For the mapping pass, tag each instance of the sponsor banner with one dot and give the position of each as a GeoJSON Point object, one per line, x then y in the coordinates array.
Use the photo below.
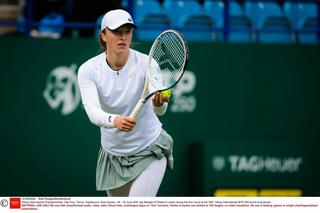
{"type": "Point", "coordinates": [244, 93]}
{"type": "Point", "coordinates": [62, 91]}
{"type": "Point", "coordinates": [183, 99]}
{"type": "Point", "coordinates": [256, 165]}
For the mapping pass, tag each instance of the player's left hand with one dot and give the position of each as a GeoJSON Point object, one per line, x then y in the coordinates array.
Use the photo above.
{"type": "Point", "coordinates": [158, 99]}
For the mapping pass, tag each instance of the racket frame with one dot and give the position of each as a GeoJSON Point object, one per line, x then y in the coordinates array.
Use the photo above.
{"type": "Point", "coordinates": [137, 109]}
{"type": "Point", "coordinates": [186, 59]}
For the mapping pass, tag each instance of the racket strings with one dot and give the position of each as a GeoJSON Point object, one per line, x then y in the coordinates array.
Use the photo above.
{"type": "Point", "coordinates": [169, 54]}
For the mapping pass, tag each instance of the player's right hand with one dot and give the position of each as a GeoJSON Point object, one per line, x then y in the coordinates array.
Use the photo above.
{"type": "Point", "coordinates": [124, 123]}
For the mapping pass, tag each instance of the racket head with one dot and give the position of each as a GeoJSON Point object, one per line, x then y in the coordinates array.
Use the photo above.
{"type": "Point", "coordinates": [168, 58]}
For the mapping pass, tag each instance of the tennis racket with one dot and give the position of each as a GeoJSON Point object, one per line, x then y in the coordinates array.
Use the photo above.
{"type": "Point", "coordinates": [168, 58]}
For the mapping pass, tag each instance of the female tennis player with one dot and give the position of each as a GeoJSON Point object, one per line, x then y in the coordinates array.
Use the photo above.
{"type": "Point", "coordinates": [134, 154]}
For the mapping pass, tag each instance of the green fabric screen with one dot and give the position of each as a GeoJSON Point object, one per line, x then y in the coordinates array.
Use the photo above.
{"type": "Point", "coordinates": [236, 99]}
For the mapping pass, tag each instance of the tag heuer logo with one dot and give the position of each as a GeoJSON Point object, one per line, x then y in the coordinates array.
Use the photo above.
{"type": "Point", "coordinates": [218, 163]}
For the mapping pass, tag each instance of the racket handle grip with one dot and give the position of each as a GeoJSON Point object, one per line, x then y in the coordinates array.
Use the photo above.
{"type": "Point", "coordinates": [137, 109]}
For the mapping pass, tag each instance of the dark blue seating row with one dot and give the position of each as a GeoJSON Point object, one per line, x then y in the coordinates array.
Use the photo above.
{"type": "Point", "coordinates": [261, 21]}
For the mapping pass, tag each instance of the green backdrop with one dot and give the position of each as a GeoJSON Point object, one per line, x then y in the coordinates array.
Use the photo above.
{"type": "Point", "coordinates": [247, 100]}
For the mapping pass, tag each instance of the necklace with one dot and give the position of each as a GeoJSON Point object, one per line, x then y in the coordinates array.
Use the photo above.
{"type": "Point", "coordinates": [115, 68]}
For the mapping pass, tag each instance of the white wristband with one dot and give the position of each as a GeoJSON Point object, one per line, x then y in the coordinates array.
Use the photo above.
{"type": "Point", "coordinates": [109, 121]}
{"type": "Point", "coordinates": [161, 110]}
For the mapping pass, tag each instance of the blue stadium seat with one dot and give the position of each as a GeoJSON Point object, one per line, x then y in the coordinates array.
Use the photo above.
{"type": "Point", "coordinates": [308, 33]}
{"type": "Point", "coordinates": [150, 18]}
{"type": "Point", "coordinates": [235, 9]}
{"type": "Point", "coordinates": [298, 13]}
{"type": "Point", "coordinates": [215, 10]}
{"type": "Point", "coordinates": [259, 11]}
{"type": "Point", "coordinates": [146, 9]}
{"type": "Point", "coordinates": [304, 19]}
{"type": "Point", "coordinates": [270, 22]}
{"type": "Point", "coordinates": [190, 18]}
{"type": "Point", "coordinates": [240, 24]}
{"type": "Point", "coordinates": [48, 23]}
